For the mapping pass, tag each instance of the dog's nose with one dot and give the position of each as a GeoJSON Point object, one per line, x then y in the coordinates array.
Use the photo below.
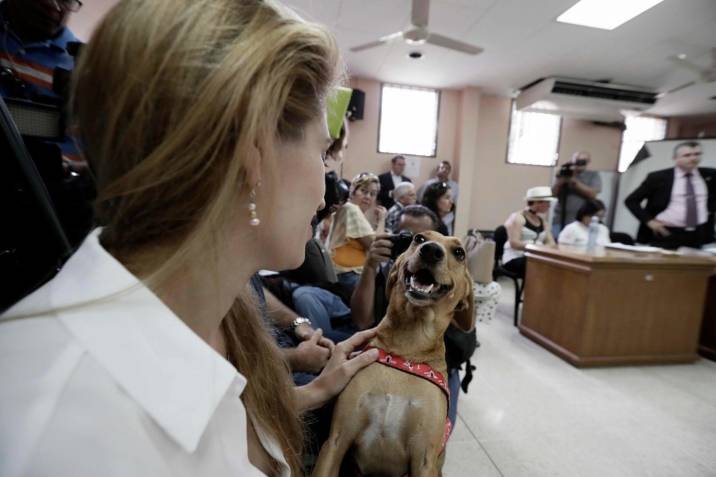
{"type": "Point", "coordinates": [431, 252]}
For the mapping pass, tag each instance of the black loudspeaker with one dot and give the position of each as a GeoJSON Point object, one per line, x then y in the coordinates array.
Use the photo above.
{"type": "Point", "coordinates": [356, 104]}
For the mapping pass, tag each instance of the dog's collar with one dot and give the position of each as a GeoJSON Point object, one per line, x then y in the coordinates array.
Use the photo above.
{"type": "Point", "coordinates": [421, 370]}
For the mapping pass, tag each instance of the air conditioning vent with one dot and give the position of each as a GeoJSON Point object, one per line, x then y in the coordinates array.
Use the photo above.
{"type": "Point", "coordinates": [584, 99]}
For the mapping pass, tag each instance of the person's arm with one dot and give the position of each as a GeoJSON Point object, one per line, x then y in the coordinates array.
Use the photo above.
{"type": "Point", "coordinates": [363, 298]}
{"type": "Point", "coordinates": [309, 356]}
{"type": "Point", "coordinates": [514, 231]}
{"type": "Point", "coordinates": [345, 362]}
{"type": "Point", "coordinates": [633, 203]}
{"type": "Point", "coordinates": [589, 193]}
{"type": "Point", "coordinates": [549, 238]}
{"type": "Point", "coordinates": [559, 183]}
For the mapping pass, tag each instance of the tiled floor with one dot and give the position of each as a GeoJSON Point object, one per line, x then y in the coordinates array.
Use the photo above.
{"type": "Point", "coordinates": [528, 413]}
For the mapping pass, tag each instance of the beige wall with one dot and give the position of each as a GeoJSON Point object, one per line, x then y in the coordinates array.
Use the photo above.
{"type": "Point", "coordinates": [689, 127]}
{"type": "Point", "coordinates": [473, 131]}
{"type": "Point", "coordinates": [601, 142]}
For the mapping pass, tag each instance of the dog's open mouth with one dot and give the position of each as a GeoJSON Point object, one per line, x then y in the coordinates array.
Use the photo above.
{"type": "Point", "coordinates": [422, 285]}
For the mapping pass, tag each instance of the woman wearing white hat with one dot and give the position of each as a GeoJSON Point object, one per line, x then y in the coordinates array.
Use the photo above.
{"type": "Point", "coordinates": [527, 226]}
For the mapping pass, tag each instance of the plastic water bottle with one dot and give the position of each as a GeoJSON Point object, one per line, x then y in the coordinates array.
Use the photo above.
{"type": "Point", "coordinates": [593, 233]}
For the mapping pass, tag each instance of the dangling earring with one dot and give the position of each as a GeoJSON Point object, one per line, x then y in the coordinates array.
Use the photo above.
{"type": "Point", "coordinates": [253, 216]}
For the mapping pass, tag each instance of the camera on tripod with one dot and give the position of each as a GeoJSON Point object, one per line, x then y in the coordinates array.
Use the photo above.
{"type": "Point", "coordinates": [567, 171]}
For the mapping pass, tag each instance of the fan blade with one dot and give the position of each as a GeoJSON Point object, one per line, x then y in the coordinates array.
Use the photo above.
{"type": "Point", "coordinates": [382, 41]}
{"type": "Point", "coordinates": [445, 42]}
{"type": "Point", "coordinates": [420, 13]}
{"type": "Point", "coordinates": [679, 88]}
{"type": "Point", "coordinates": [683, 62]}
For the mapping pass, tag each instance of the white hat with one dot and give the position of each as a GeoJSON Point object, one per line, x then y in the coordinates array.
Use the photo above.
{"type": "Point", "coordinates": [539, 193]}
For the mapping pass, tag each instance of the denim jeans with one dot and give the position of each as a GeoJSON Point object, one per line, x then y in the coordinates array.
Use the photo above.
{"type": "Point", "coordinates": [349, 280]}
{"type": "Point", "coordinates": [325, 310]}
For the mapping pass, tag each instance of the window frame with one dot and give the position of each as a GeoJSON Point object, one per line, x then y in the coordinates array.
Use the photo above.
{"type": "Point", "coordinates": [437, 119]}
{"type": "Point", "coordinates": [513, 109]}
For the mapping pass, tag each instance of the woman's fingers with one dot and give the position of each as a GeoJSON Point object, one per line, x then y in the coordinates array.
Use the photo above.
{"type": "Point", "coordinates": [357, 340]}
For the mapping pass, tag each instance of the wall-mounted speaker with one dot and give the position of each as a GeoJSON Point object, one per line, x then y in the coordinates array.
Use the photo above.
{"type": "Point", "coordinates": [356, 104]}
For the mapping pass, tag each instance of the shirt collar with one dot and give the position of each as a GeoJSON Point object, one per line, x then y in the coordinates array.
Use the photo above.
{"type": "Point", "coordinates": [680, 173]}
{"type": "Point", "coordinates": [176, 377]}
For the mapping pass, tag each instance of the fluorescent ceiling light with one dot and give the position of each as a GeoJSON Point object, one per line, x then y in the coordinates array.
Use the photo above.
{"type": "Point", "coordinates": [605, 14]}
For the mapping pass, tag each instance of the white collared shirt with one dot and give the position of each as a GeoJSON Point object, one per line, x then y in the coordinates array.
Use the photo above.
{"type": "Point", "coordinates": [396, 179]}
{"type": "Point", "coordinates": [675, 214]}
{"type": "Point", "coordinates": [577, 234]}
{"type": "Point", "coordinates": [104, 379]}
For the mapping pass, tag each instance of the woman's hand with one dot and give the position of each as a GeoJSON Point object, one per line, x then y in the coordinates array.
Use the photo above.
{"type": "Point", "coordinates": [344, 363]}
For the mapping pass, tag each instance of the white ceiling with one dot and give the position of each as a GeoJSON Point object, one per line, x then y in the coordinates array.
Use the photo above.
{"type": "Point", "coordinates": [523, 42]}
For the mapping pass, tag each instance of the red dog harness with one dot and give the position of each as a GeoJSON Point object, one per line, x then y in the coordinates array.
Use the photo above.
{"type": "Point", "coordinates": [421, 370]}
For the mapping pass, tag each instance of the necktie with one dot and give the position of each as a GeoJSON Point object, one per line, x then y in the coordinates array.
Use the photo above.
{"type": "Point", "coordinates": [691, 214]}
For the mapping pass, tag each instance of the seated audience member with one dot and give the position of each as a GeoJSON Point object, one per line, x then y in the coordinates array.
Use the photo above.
{"type": "Point", "coordinates": [438, 198]}
{"type": "Point", "coordinates": [404, 195]}
{"type": "Point", "coordinates": [390, 180]}
{"type": "Point", "coordinates": [369, 302]}
{"type": "Point", "coordinates": [442, 175]}
{"type": "Point", "coordinates": [577, 233]}
{"type": "Point", "coordinates": [680, 202]}
{"type": "Point", "coordinates": [351, 232]}
{"type": "Point", "coordinates": [527, 226]}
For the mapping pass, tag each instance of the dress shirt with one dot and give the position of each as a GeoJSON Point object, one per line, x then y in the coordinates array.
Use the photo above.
{"type": "Point", "coordinates": [577, 234]}
{"type": "Point", "coordinates": [675, 214]}
{"type": "Point", "coordinates": [396, 179]}
{"type": "Point", "coordinates": [99, 377]}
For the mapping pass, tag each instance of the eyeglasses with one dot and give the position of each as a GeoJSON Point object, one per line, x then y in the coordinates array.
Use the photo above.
{"type": "Point", "coordinates": [70, 5]}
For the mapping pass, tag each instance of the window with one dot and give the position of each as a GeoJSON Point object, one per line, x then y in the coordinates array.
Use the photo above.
{"type": "Point", "coordinates": [408, 121]}
{"type": "Point", "coordinates": [534, 138]}
{"type": "Point", "coordinates": [639, 130]}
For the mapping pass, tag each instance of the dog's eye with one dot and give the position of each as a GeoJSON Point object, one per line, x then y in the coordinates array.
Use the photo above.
{"type": "Point", "coordinates": [419, 238]}
{"type": "Point", "coordinates": [459, 254]}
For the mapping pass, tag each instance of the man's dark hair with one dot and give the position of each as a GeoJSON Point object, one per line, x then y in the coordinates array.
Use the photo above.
{"type": "Point", "coordinates": [447, 163]}
{"type": "Point", "coordinates": [419, 211]}
{"type": "Point", "coordinates": [685, 144]}
{"type": "Point", "coordinates": [395, 158]}
{"type": "Point", "coordinates": [590, 208]}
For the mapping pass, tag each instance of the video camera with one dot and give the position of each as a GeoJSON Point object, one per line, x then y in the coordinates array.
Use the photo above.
{"type": "Point", "coordinates": [401, 242]}
{"type": "Point", "coordinates": [567, 171]}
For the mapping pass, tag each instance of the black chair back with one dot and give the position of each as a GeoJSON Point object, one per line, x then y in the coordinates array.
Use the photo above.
{"type": "Point", "coordinates": [500, 238]}
{"type": "Point", "coordinates": [621, 237]}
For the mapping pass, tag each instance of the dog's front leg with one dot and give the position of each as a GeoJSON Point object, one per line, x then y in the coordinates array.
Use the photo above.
{"type": "Point", "coordinates": [333, 451]}
{"type": "Point", "coordinates": [425, 462]}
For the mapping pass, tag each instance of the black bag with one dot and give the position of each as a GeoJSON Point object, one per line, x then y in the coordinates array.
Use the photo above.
{"type": "Point", "coordinates": [459, 348]}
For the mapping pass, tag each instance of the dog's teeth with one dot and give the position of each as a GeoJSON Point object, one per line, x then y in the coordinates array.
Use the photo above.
{"type": "Point", "coordinates": [429, 288]}
{"type": "Point", "coordinates": [412, 281]}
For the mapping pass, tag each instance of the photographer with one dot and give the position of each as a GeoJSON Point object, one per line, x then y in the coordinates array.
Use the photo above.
{"type": "Point", "coordinates": [574, 185]}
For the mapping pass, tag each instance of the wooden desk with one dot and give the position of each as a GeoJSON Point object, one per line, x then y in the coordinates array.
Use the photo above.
{"type": "Point", "coordinates": [613, 307]}
{"type": "Point", "coordinates": [707, 345]}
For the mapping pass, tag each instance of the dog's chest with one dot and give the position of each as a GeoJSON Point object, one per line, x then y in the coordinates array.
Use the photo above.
{"type": "Point", "coordinates": [387, 416]}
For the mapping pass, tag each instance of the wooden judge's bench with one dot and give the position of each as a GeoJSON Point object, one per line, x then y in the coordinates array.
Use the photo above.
{"type": "Point", "coordinates": [615, 307]}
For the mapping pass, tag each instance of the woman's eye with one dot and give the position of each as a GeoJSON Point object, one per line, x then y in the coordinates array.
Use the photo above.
{"type": "Point", "coordinates": [419, 239]}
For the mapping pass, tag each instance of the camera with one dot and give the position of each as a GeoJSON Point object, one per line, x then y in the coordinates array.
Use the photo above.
{"type": "Point", "coordinates": [567, 170]}
{"type": "Point", "coordinates": [337, 192]}
{"type": "Point", "coordinates": [400, 242]}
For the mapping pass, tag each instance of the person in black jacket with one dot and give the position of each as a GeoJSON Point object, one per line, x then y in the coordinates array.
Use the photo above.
{"type": "Point", "coordinates": [390, 179]}
{"type": "Point", "coordinates": [680, 202]}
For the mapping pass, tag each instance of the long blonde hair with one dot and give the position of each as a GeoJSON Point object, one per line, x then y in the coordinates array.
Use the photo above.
{"type": "Point", "coordinates": [176, 101]}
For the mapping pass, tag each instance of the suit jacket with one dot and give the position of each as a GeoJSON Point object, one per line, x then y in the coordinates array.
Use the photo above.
{"type": "Point", "coordinates": [656, 189]}
{"type": "Point", "coordinates": [386, 185]}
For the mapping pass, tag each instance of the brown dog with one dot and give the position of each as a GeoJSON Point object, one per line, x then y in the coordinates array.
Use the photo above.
{"type": "Point", "coordinates": [393, 421]}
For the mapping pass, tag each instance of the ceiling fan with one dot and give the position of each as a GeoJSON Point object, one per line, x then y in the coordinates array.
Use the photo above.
{"type": "Point", "coordinates": [706, 74]}
{"type": "Point", "coordinates": [419, 34]}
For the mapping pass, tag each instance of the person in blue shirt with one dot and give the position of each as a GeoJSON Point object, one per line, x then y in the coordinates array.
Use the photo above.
{"type": "Point", "coordinates": [34, 41]}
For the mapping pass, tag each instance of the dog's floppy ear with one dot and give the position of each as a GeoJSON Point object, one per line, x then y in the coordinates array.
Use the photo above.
{"type": "Point", "coordinates": [393, 276]}
{"type": "Point", "coordinates": [464, 316]}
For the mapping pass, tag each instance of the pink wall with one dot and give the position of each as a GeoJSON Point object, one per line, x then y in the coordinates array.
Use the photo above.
{"type": "Point", "coordinates": [83, 22]}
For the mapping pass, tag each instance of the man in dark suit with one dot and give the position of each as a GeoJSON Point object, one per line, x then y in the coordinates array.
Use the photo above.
{"type": "Point", "coordinates": [390, 179]}
{"type": "Point", "coordinates": [680, 202]}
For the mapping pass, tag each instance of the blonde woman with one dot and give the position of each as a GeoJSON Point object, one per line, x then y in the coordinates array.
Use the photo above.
{"type": "Point", "coordinates": [198, 117]}
{"type": "Point", "coordinates": [354, 227]}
